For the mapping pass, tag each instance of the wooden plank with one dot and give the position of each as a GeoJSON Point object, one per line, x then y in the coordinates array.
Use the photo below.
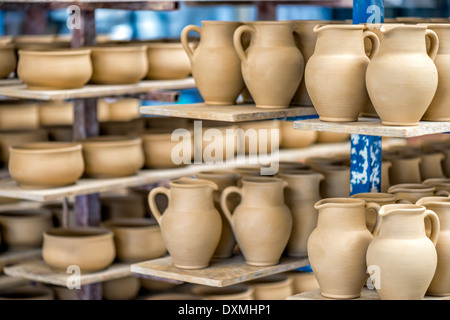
{"type": "Point", "coordinates": [230, 113]}
{"type": "Point", "coordinates": [10, 82]}
{"type": "Point", "coordinates": [13, 257]}
{"type": "Point", "coordinates": [366, 294]}
{"type": "Point", "coordinates": [38, 270]}
{"type": "Point", "coordinates": [373, 127]}
{"type": "Point", "coordinates": [96, 90]}
{"type": "Point", "coordinates": [220, 273]}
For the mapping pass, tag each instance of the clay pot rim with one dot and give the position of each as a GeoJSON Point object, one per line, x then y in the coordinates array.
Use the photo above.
{"type": "Point", "coordinates": [55, 52]}
{"type": "Point", "coordinates": [32, 291]}
{"type": "Point", "coordinates": [436, 25]}
{"type": "Point", "coordinates": [131, 223]}
{"type": "Point", "coordinates": [114, 48]}
{"type": "Point", "coordinates": [318, 28]}
{"type": "Point", "coordinates": [78, 234]}
{"type": "Point", "coordinates": [374, 196]}
{"type": "Point", "coordinates": [340, 202]}
{"type": "Point", "coordinates": [271, 22]}
{"type": "Point", "coordinates": [46, 147]}
{"type": "Point", "coordinates": [436, 181]}
{"type": "Point", "coordinates": [111, 141]}
{"type": "Point", "coordinates": [385, 210]}
{"type": "Point", "coordinates": [169, 45]}
{"type": "Point", "coordinates": [221, 22]}
{"type": "Point", "coordinates": [411, 188]}
{"type": "Point", "coordinates": [389, 27]}
{"type": "Point", "coordinates": [20, 214]}
{"type": "Point", "coordinates": [434, 201]}
{"type": "Point", "coordinates": [190, 183]}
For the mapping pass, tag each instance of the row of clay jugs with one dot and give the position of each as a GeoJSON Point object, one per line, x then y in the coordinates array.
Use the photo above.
{"type": "Point", "coordinates": [272, 65]}
{"type": "Point", "coordinates": [335, 74]}
{"type": "Point", "coordinates": [337, 247]}
{"type": "Point", "coordinates": [402, 258]}
{"type": "Point", "coordinates": [261, 223]}
{"type": "Point", "coordinates": [216, 68]}
{"type": "Point", "coordinates": [191, 226]}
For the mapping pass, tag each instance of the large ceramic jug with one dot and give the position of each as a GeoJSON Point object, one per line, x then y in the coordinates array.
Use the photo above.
{"type": "Point", "coordinates": [301, 193]}
{"type": "Point", "coordinates": [402, 78]}
{"type": "Point", "coordinates": [216, 68]}
{"type": "Point", "coordinates": [440, 285]}
{"type": "Point", "coordinates": [402, 257]}
{"type": "Point", "coordinates": [438, 109]}
{"type": "Point", "coordinates": [262, 223]}
{"type": "Point", "coordinates": [272, 66]}
{"type": "Point", "coordinates": [335, 74]}
{"type": "Point", "coordinates": [191, 226]}
{"type": "Point", "coordinates": [337, 247]}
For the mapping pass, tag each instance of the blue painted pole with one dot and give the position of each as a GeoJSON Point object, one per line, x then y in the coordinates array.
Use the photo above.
{"type": "Point", "coordinates": [366, 158]}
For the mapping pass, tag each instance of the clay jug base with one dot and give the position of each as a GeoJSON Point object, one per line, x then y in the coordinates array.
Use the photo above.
{"type": "Point", "coordinates": [402, 124]}
{"type": "Point", "coordinates": [179, 266]}
{"type": "Point", "coordinates": [340, 296]}
{"type": "Point", "coordinates": [261, 264]}
{"type": "Point", "coordinates": [219, 103]}
{"type": "Point", "coordinates": [259, 106]}
{"type": "Point", "coordinates": [328, 119]}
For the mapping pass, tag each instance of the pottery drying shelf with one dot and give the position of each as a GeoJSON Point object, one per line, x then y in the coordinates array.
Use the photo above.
{"type": "Point", "coordinates": [220, 273]}
{"type": "Point", "coordinates": [96, 90]}
{"type": "Point", "coordinates": [373, 127]}
{"type": "Point", "coordinates": [366, 294]}
{"type": "Point", "coordinates": [228, 113]}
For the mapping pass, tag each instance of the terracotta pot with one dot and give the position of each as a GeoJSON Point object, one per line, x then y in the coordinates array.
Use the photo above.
{"type": "Point", "coordinates": [274, 287]}
{"type": "Point", "coordinates": [123, 109]}
{"type": "Point", "coordinates": [8, 60]}
{"type": "Point", "coordinates": [332, 137]}
{"type": "Point", "coordinates": [337, 247]}
{"type": "Point", "coordinates": [161, 152]}
{"type": "Point", "coordinates": [43, 165]}
{"type": "Point", "coordinates": [18, 115]}
{"type": "Point", "coordinates": [59, 133]}
{"type": "Point", "coordinates": [112, 156]}
{"type": "Point", "coordinates": [303, 281]}
{"type": "Point", "coordinates": [234, 292]}
{"type": "Point", "coordinates": [122, 206]}
{"type": "Point", "coordinates": [56, 113]}
{"type": "Point", "coordinates": [26, 292]}
{"type": "Point", "coordinates": [337, 181]}
{"type": "Point", "coordinates": [121, 289]}
{"type": "Point", "coordinates": [301, 193]}
{"type": "Point", "coordinates": [23, 229]}
{"type": "Point", "coordinates": [262, 204]}
{"type": "Point", "coordinates": [440, 285]}
{"type": "Point", "coordinates": [10, 138]}
{"type": "Point", "coordinates": [168, 60]}
{"type": "Point", "coordinates": [437, 110]}
{"type": "Point", "coordinates": [431, 165]}
{"type": "Point", "coordinates": [191, 226]}
{"type": "Point", "coordinates": [122, 128]}
{"type": "Point", "coordinates": [257, 134]}
{"type": "Point", "coordinates": [328, 72]}
{"type": "Point", "coordinates": [406, 259]}
{"type": "Point", "coordinates": [136, 239]}
{"type": "Point", "coordinates": [92, 249]}
{"type": "Point", "coordinates": [305, 39]}
{"type": "Point", "coordinates": [223, 179]}
{"type": "Point", "coordinates": [54, 69]}
{"type": "Point", "coordinates": [118, 64]}
{"type": "Point", "coordinates": [272, 43]}
{"type": "Point", "coordinates": [293, 138]}
{"type": "Point", "coordinates": [416, 69]}
{"type": "Point", "coordinates": [216, 67]}
{"type": "Point", "coordinates": [404, 169]}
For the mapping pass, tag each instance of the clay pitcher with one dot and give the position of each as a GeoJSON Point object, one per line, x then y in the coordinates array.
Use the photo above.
{"type": "Point", "coordinates": [262, 223]}
{"type": "Point", "coordinates": [223, 179]}
{"type": "Point", "coordinates": [272, 66]}
{"type": "Point", "coordinates": [403, 74]}
{"type": "Point", "coordinates": [337, 247]}
{"type": "Point", "coordinates": [191, 226]}
{"type": "Point", "coordinates": [441, 186]}
{"type": "Point", "coordinates": [216, 68]}
{"type": "Point", "coordinates": [440, 285]}
{"type": "Point", "coordinates": [438, 109]}
{"type": "Point", "coordinates": [404, 169]}
{"type": "Point", "coordinates": [337, 181]}
{"type": "Point", "coordinates": [335, 74]}
{"type": "Point", "coordinates": [403, 257]}
{"type": "Point", "coordinates": [301, 193]}
{"type": "Point", "coordinates": [431, 165]}
{"type": "Point", "coordinates": [411, 192]}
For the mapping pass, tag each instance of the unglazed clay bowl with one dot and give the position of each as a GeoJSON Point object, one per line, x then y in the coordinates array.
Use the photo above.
{"type": "Point", "coordinates": [118, 64]}
{"type": "Point", "coordinates": [56, 113]}
{"type": "Point", "coordinates": [168, 60]}
{"type": "Point", "coordinates": [18, 115]}
{"type": "Point", "coordinates": [234, 292]}
{"type": "Point", "coordinates": [123, 109]}
{"type": "Point", "coordinates": [42, 165]}
{"type": "Point", "coordinates": [136, 239]}
{"type": "Point", "coordinates": [54, 69]}
{"type": "Point", "coordinates": [27, 292]}
{"type": "Point", "coordinates": [90, 248]}
{"type": "Point", "coordinates": [8, 60]}
{"type": "Point", "coordinates": [23, 229]}
{"type": "Point", "coordinates": [112, 156]}
{"type": "Point", "coordinates": [10, 138]}
{"type": "Point", "coordinates": [121, 289]}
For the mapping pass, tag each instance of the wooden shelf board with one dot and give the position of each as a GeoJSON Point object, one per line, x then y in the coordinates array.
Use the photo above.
{"type": "Point", "coordinates": [229, 113]}
{"type": "Point", "coordinates": [38, 270]}
{"type": "Point", "coordinates": [366, 294]}
{"type": "Point", "coordinates": [373, 127]}
{"type": "Point", "coordinates": [10, 82]}
{"type": "Point", "coordinates": [220, 273]}
{"type": "Point", "coordinates": [94, 90]}
{"type": "Point", "coordinates": [13, 257]}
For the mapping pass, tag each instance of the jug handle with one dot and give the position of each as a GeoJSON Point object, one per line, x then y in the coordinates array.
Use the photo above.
{"type": "Point", "coordinates": [375, 43]}
{"type": "Point", "coordinates": [238, 42]}
{"type": "Point", "coordinates": [434, 43]}
{"type": "Point", "coordinates": [185, 42]}
{"type": "Point", "coordinates": [435, 225]}
{"type": "Point", "coordinates": [223, 201]}
{"type": "Point", "coordinates": [152, 203]}
{"type": "Point", "coordinates": [376, 207]}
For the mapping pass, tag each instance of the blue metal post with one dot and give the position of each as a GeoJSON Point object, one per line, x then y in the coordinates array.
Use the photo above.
{"type": "Point", "coordinates": [366, 150]}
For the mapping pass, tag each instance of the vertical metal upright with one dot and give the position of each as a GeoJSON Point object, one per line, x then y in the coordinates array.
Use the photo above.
{"type": "Point", "coordinates": [366, 150]}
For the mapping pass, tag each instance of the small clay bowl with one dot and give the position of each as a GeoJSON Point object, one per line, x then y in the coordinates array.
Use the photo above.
{"type": "Point", "coordinates": [91, 249]}
{"type": "Point", "coordinates": [43, 165]}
